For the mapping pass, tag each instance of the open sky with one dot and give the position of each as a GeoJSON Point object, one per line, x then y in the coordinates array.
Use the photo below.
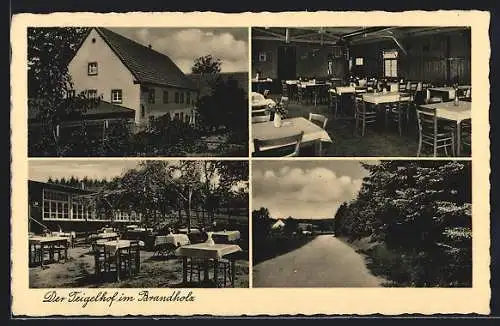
{"type": "Point", "coordinates": [57, 169]}
{"type": "Point", "coordinates": [305, 189]}
{"type": "Point", "coordinates": [183, 45]}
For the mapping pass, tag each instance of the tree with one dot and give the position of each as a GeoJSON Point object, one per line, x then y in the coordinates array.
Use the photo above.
{"type": "Point", "coordinates": [206, 65]}
{"type": "Point", "coordinates": [50, 89]}
{"type": "Point", "coordinates": [420, 210]}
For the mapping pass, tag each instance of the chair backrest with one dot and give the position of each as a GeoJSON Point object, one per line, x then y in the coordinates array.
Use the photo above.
{"type": "Point", "coordinates": [284, 88]}
{"type": "Point", "coordinates": [318, 118]}
{"type": "Point", "coordinates": [284, 102]}
{"type": "Point", "coordinates": [283, 141]}
{"type": "Point", "coordinates": [413, 87]}
{"type": "Point", "coordinates": [402, 87]}
{"type": "Point", "coordinates": [427, 120]}
{"type": "Point", "coordinates": [261, 118]}
{"type": "Point", "coordinates": [359, 104]}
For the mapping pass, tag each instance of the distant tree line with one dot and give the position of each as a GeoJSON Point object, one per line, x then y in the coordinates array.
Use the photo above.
{"type": "Point", "coordinates": [418, 216]}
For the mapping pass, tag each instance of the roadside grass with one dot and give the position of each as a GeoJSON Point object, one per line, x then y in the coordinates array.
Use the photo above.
{"type": "Point", "coordinates": [273, 245]}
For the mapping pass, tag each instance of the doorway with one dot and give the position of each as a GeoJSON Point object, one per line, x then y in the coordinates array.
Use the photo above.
{"type": "Point", "coordinates": [287, 63]}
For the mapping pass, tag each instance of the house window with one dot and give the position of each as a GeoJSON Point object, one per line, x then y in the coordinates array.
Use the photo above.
{"type": "Point", "coordinates": [262, 56]}
{"type": "Point", "coordinates": [92, 68]}
{"type": "Point", "coordinates": [176, 116]}
{"type": "Point", "coordinates": [151, 95]}
{"type": "Point", "coordinates": [55, 205]}
{"type": "Point", "coordinates": [188, 98]}
{"type": "Point", "coordinates": [116, 96]}
{"type": "Point", "coordinates": [390, 63]}
{"type": "Point", "coordinates": [165, 97]}
{"type": "Point", "coordinates": [177, 97]}
{"type": "Point", "coordinates": [359, 61]}
{"type": "Point", "coordinates": [143, 111]}
{"type": "Point", "coordinates": [92, 93]}
{"type": "Point", "coordinates": [182, 97]}
{"type": "Point", "coordinates": [182, 116]}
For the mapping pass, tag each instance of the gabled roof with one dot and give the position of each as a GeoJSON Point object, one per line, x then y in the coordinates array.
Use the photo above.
{"type": "Point", "coordinates": [146, 64]}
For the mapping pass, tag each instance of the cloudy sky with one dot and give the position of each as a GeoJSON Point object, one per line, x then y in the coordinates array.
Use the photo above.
{"type": "Point", "coordinates": [57, 169]}
{"type": "Point", "coordinates": [304, 189]}
{"type": "Point", "coordinates": [183, 45]}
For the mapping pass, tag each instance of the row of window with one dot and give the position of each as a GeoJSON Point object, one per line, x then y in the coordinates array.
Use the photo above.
{"type": "Point", "coordinates": [56, 206]}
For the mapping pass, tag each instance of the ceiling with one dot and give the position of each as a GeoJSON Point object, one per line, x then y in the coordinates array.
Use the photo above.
{"type": "Point", "coordinates": [345, 35]}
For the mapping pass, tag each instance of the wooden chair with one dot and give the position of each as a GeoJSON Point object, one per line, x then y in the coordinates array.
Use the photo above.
{"type": "Point", "coordinates": [402, 87]}
{"type": "Point", "coordinates": [363, 116]}
{"type": "Point", "coordinates": [430, 133]}
{"type": "Point", "coordinates": [318, 119]}
{"type": "Point", "coordinates": [284, 89]}
{"type": "Point", "coordinates": [398, 111]}
{"type": "Point", "coordinates": [466, 133]}
{"type": "Point", "coordinates": [334, 102]}
{"type": "Point", "coordinates": [195, 267]}
{"type": "Point", "coordinates": [288, 146]}
{"type": "Point", "coordinates": [261, 118]}
{"type": "Point", "coordinates": [283, 103]}
{"type": "Point", "coordinates": [99, 260]}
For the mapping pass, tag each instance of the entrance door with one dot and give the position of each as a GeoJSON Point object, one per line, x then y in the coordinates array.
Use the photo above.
{"type": "Point", "coordinates": [287, 65]}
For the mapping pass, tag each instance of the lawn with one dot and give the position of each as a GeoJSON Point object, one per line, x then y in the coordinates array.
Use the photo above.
{"type": "Point", "coordinates": [156, 272]}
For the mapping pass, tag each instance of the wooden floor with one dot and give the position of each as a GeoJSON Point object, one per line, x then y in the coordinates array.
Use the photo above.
{"type": "Point", "coordinates": [377, 141]}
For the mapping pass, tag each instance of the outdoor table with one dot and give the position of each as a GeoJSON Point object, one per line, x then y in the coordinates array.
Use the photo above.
{"type": "Point", "coordinates": [207, 251]}
{"type": "Point", "coordinates": [50, 243]}
{"type": "Point", "coordinates": [115, 246]}
{"type": "Point", "coordinates": [228, 235]}
{"type": "Point", "coordinates": [177, 239]}
{"type": "Point", "coordinates": [450, 111]}
{"type": "Point", "coordinates": [185, 230]}
{"type": "Point", "coordinates": [312, 132]}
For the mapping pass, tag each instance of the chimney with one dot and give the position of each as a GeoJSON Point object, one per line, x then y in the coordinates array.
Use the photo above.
{"type": "Point", "coordinates": [149, 46]}
{"type": "Point", "coordinates": [82, 184]}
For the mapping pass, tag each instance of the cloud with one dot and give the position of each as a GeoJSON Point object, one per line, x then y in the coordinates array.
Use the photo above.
{"type": "Point", "coordinates": [183, 46]}
{"type": "Point", "coordinates": [299, 192]}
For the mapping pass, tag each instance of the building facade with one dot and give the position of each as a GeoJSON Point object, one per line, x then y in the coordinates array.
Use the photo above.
{"type": "Point", "coordinates": [57, 207]}
{"type": "Point", "coordinates": [130, 75]}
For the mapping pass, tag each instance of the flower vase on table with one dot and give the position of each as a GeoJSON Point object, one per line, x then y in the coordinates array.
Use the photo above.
{"type": "Point", "coordinates": [277, 120]}
{"type": "Point", "coordinates": [210, 241]}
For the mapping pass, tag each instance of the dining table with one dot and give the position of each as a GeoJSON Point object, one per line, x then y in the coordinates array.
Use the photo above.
{"type": "Point", "coordinates": [451, 111]}
{"type": "Point", "coordinates": [314, 87]}
{"type": "Point", "coordinates": [227, 236]}
{"type": "Point", "coordinates": [115, 246]}
{"type": "Point", "coordinates": [292, 126]}
{"type": "Point", "coordinates": [207, 251]}
{"type": "Point", "coordinates": [37, 245]}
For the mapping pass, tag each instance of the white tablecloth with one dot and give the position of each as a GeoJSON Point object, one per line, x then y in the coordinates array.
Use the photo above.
{"type": "Point", "coordinates": [448, 111]}
{"type": "Point", "coordinates": [114, 245]}
{"type": "Point", "coordinates": [229, 235]}
{"type": "Point", "coordinates": [38, 239]}
{"type": "Point", "coordinates": [177, 239]}
{"type": "Point", "coordinates": [267, 80]}
{"type": "Point", "coordinates": [109, 235]}
{"type": "Point", "coordinates": [380, 97]}
{"type": "Point", "coordinates": [267, 130]}
{"type": "Point", "coordinates": [207, 251]}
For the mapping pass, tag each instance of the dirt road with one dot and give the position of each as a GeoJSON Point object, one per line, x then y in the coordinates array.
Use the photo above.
{"type": "Point", "coordinates": [324, 262]}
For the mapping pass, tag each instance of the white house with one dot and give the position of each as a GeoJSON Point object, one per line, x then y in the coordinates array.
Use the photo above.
{"type": "Point", "coordinates": [129, 75]}
{"type": "Point", "coordinates": [278, 225]}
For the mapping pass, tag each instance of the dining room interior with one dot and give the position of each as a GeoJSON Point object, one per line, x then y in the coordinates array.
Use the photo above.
{"type": "Point", "coordinates": [392, 91]}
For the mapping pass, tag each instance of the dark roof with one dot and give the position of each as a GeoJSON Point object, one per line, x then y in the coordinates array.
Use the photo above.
{"type": "Point", "coordinates": [104, 110]}
{"type": "Point", "coordinates": [146, 64]}
{"type": "Point", "coordinates": [55, 186]}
